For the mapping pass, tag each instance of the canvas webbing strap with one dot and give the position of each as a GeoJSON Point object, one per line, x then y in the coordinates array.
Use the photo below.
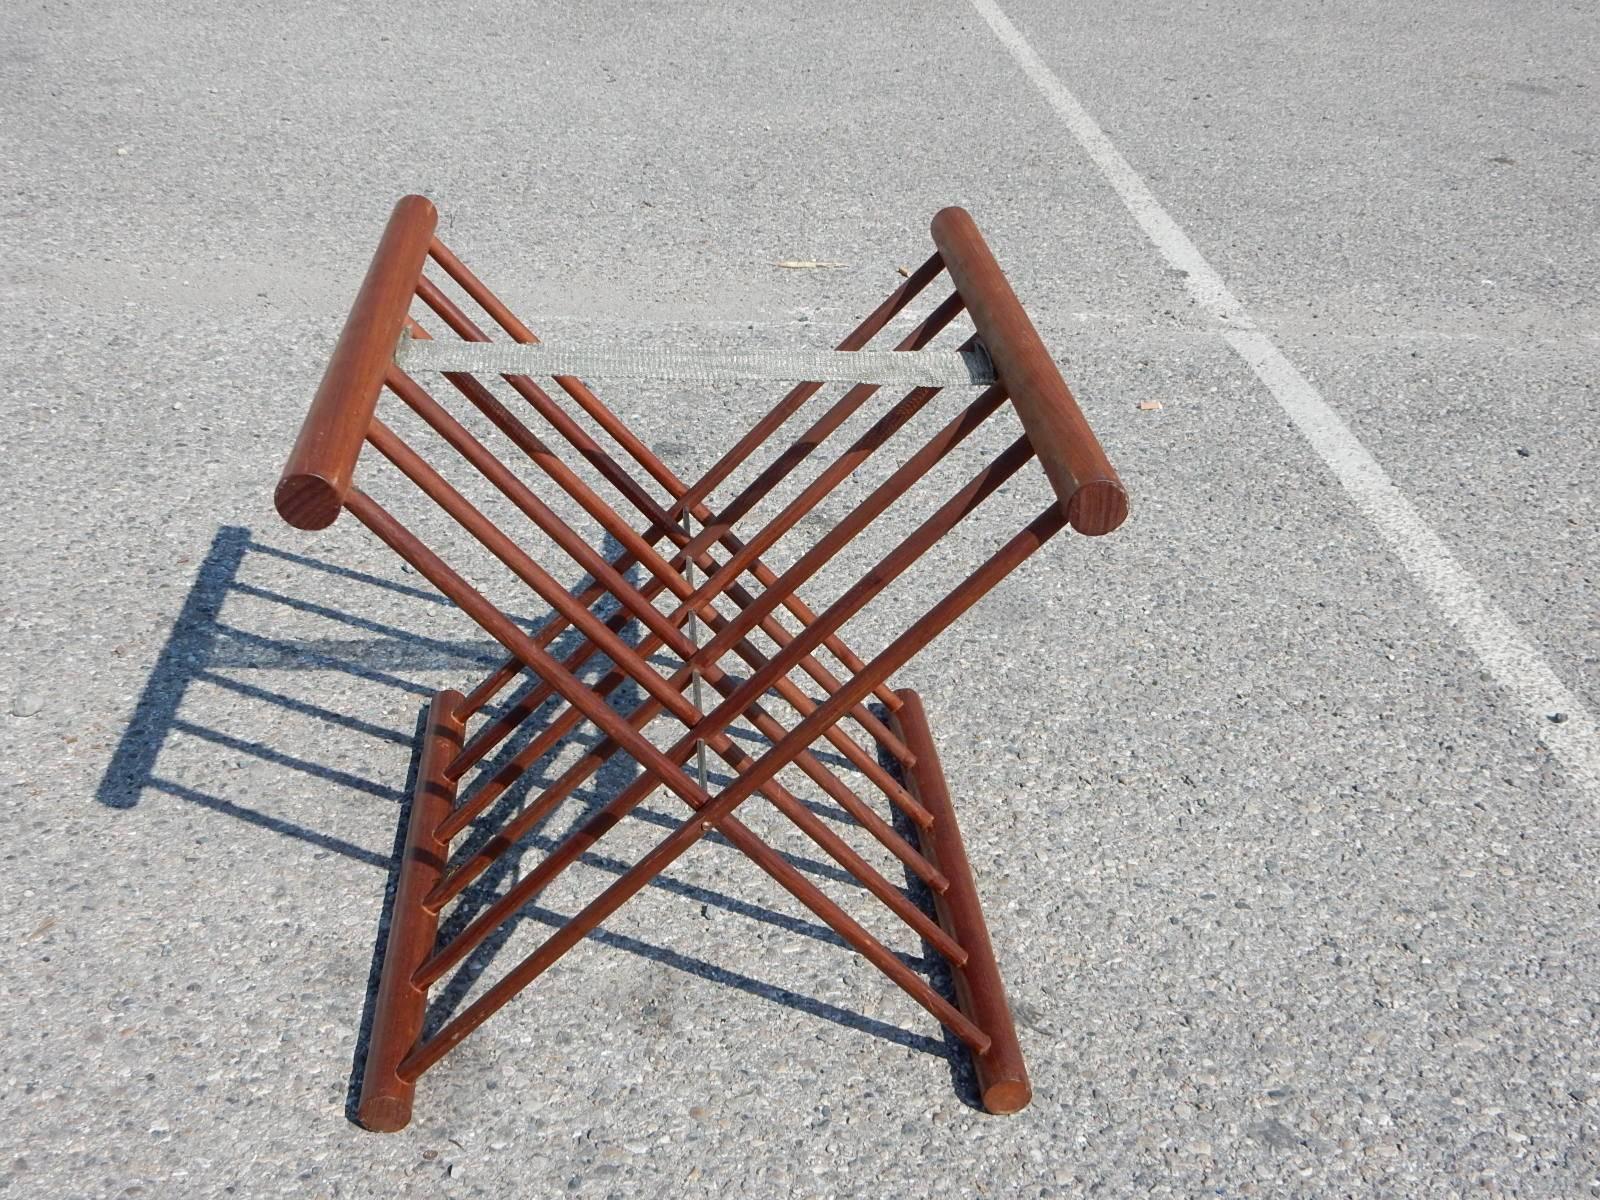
{"type": "Point", "coordinates": [926, 368]}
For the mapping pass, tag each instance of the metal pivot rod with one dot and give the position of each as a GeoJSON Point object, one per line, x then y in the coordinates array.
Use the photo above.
{"type": "Point", "coordinates": [694, 641]}
{"type": "Point", "coordinates": [692, 573]}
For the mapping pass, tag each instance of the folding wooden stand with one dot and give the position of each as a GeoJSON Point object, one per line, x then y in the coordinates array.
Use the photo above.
{"type": "Point", "coordinates": [318, 484]}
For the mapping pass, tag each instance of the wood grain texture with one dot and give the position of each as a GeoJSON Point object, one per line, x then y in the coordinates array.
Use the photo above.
{"type": "Point", "coordinates": [1089, 489]}
{"type": "Point", "coordinates": [322, 464]}
{"type": "Point", "coordinates": [980, 994]}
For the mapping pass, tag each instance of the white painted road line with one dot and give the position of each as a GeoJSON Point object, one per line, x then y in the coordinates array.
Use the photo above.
{"type": "Point", "coordinates": [1508, 656]}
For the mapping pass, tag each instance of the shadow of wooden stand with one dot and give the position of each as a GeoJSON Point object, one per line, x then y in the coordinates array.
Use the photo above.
{"type": "Point", "coordinates": [213, 646]}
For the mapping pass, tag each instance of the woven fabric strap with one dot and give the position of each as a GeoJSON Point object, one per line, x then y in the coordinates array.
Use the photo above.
{"type": "Point", "coordinates": [932, 368]}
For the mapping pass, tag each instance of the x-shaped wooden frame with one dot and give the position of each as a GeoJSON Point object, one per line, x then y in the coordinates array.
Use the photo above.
{"type": "Point", "coordinates": [318, 484]}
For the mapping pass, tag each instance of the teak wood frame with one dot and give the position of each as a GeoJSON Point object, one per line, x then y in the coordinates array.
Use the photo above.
{"type": "Point", "coordinates": [318, 484]}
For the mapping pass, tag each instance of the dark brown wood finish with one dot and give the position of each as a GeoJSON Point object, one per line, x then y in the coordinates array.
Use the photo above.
{"type": "Point", "coordinates": [385, 1103]}
{"type": "Point", "coordinates": [323, 462]}
{"type": "Point", "coordinates": [1002, 1077]}
{"type": "Point", "coordinates": [318, 483]}
{"type": "Point", "coordinates": [1090, 491]}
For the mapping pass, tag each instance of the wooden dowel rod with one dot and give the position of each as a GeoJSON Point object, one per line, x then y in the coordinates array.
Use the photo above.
{"type": "Point", "coordinates": [322, 464]}
{"type": "Point", "coordinates": [1002, 1076]}
{"type": "Point", "coordinates": [1091, 494]}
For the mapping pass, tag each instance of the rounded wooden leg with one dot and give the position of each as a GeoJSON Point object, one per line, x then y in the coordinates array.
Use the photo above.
{"type": "Point", "coordinates": [1002, 1076]}
{"type": "Point", "coordinates": [385, 1103]}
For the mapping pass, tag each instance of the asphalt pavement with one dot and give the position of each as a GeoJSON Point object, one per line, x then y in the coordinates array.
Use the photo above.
{"type": "Point", "coordinates": [1281, 800]}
